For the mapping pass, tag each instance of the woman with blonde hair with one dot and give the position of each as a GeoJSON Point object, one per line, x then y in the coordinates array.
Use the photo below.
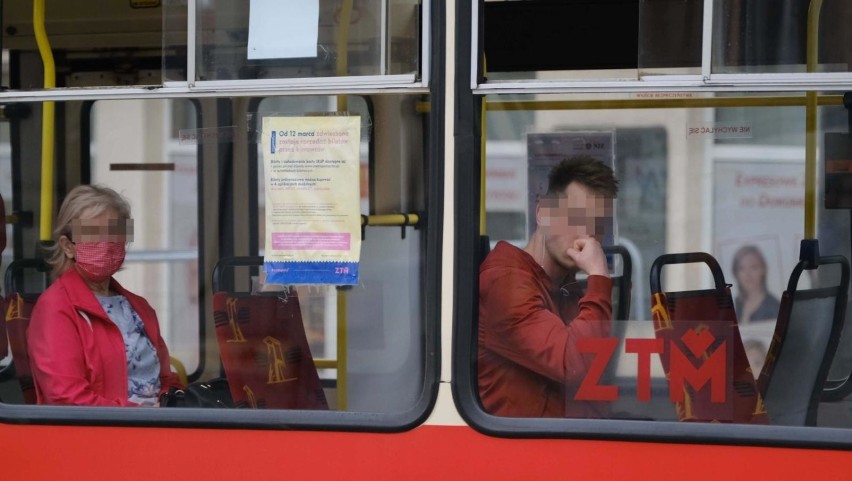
{"type": "Point", "coordinates": [91, 342]}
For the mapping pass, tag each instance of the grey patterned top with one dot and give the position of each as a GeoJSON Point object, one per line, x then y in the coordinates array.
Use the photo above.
{"type": "Point", "coordinates": [143, 366]}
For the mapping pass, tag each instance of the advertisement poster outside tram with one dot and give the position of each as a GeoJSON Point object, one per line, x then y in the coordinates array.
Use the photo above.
{"type": "Point", "coordinates": [759, 197]}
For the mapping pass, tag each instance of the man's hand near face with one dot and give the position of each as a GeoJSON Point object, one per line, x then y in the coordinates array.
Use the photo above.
{"type": "Point", "coordinates": [588, 254]}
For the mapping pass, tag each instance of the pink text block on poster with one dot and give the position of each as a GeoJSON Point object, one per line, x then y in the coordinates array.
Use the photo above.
{"type": "Point", "coordinates": [300, 241]}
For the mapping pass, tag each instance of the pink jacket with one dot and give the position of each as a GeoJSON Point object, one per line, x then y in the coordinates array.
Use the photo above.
{"type": "Point", "coordinates": [83, 362]}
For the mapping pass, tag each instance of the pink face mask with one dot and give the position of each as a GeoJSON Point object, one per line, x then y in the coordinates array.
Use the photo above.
{"type": "Point", "coordinates": [98, 261]}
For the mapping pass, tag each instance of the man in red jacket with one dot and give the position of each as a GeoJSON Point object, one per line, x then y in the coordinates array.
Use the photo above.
{"type": "Point", "coordinates": [531, 314]}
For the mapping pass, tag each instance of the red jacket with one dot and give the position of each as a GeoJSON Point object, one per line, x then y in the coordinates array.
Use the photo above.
{"type": "Point", "coordinates": [77, 363]}
{"type": "Point", "coordinates": [529, 365]}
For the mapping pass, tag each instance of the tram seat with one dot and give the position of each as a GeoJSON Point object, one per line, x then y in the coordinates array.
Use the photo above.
{"type": "Point", "coordinates": [810, 322]}
{"type": "Point", "coordinates": [263, 346]}
{"type": "Point", "coordinates": [19, 306]}
{"type": "Point", "coordinates": [681, 320]}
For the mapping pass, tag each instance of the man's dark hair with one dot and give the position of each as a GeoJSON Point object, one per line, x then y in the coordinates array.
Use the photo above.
{"type": "Point", "coordinates": [585, 170]}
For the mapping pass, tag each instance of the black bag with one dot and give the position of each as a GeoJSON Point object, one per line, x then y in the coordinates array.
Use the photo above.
{"type": "Point", "coordinates": [214, 393]}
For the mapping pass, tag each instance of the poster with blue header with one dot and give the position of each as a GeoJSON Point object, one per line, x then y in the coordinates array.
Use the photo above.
{"type": "Point", "coordinates": [313, 216]}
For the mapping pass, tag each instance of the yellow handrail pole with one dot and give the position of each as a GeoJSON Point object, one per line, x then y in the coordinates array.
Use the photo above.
{"type": "Point", "coordinates": [343, 49]}
{"type": "Point", "coordinates": [180, 370]}
{"type": "Point", "coordinates": [47, 123]}
{"type": "Point", "coordinates": [341, 349]}
{"type": "Point", "coordinates": [342, 106]}
{"type": "Point", "coordinates": [391, 219]}
{"type": "Point", "coordinates": [811, 123]}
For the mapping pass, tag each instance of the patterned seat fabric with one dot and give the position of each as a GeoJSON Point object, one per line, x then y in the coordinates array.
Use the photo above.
{"type": "Point", "coordinates": [18, 311]}
{"type": "Point", "coordinates": [265, 352]}
{"type": "Point", "coordinates": [700, 334]}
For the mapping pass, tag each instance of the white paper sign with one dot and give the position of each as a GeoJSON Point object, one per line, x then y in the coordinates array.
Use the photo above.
{"type": "Point", "coordinates": [283, 29]}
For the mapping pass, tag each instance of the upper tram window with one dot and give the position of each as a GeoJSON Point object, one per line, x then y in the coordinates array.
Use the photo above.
{"type": "Point", "coordinates": [179, 44]}
{"type": "Point", "coordinates": [682, 42]}
{"type": "Point", "coordinates": [787, 37]}
{"type": "Point", "coordinates": [353, 38]}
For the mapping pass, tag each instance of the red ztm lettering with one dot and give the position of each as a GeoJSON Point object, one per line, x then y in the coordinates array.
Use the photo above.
{"type": "Point", "coordinates": [712, 368]}
{"type": "Point", "coordinates": [643, 348]}
{"type": "Point", "coordinates": [589, 389]}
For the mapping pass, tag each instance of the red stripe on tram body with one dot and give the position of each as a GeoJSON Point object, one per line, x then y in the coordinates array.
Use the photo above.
{"type": "Point", "coordinates": [428, 452]}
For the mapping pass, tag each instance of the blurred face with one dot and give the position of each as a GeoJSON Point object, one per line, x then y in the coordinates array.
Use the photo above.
{"type": "Point", "coordinates": [98, 244]}
{"type": "Point", "coordinates": [105, 227]}
{"type": "Point", "coordinates": [750, 274]}
{"type": "Point", "coordinates": [579, 212]}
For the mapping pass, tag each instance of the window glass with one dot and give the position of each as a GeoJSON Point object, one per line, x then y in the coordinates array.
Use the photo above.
{"type": "Point", "coordinates": [767, 36]}
{"type": "Point", "coordinates": [725, 180]}
{"type": "Point", "coordinates": [382, 37]}
{"type": "Point", "coordinates": [610, 39]}
{"type": "Point", "coordinates": [367, 338]}
{"type": "Point", "coordinates": [9, 252]}
{"type": "Point", "coordinates": [670, 36]}
{"type": "Point", "coordinates": [136, 151]}
{"type": "Point", "coordinates": [92, 44]}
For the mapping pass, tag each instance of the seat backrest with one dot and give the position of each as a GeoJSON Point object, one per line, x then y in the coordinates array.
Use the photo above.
{"type": "Point", "coordinates": [19, 306]}
{"type": "Point", "coordinates": [810, 322]}
{"type": "Point", "coordinates": [264, 349]}
{"type": "Point", "coordinates": [682, 320]}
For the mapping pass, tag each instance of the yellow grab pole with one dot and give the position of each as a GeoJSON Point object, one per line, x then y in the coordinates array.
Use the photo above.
{"type": "Point", "coordinates": [341, 349]}
{"type": "Point", "coordinates": [343, 49]}
{"type": "Point", "coordinates": [811, 123]}
{"type": "Point", "coordinates": [342, 106]}
{"type": "Point", "coordinates": [47, 123]}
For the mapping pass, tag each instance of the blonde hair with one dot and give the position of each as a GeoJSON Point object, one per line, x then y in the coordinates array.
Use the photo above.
{"type": "Point", "coordinates": [90, 199]}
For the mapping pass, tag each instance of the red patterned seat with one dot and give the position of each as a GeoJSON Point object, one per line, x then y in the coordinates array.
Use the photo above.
{"type": "Point", "coordinates": [19, 306]}
{"type": "Point", "coordinates": [699, 330]}
{"type": "Point", "coordinates": [265, 352]}
{"type": "Point", "coordinates": [18, 310]}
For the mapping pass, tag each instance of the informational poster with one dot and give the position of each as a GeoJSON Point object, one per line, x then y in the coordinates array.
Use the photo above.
{"type": "Point", "coordinates": [283, 29]}
{"type": "Point", "coordinates": [546, 150]}
{"type": "Point", "coordinates": [313, 217]}
{"type": "Point", "coordinates": [757, 210]}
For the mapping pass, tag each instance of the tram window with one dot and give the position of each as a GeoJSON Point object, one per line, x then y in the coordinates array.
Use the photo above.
{"type": "Point", "coordinates": [383, 39]}
{"type": "Point", "coordinates": [728, 181]}
{"type": "Point", "coordinates": [610, 38]}
{"type": "Point", "coordinates": [147, 46]}
{"type": "Point", "coordinates": [162, 262]}
{"type": "Point", "coordinates": [383, 353]}
{"type": "Point", "coordinates": [766, 36]}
